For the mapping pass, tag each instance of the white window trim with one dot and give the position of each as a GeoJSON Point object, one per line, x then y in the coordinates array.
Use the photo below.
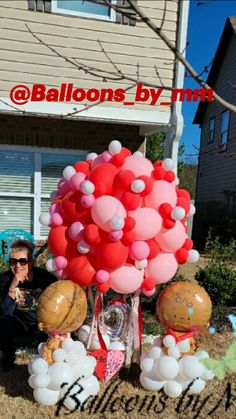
{"type": "Point", "coordinates": [36, 195]}
{"type": "Point", "coordinates": [111, 18]}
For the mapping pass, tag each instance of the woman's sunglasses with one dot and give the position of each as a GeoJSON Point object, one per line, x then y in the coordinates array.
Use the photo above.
{"type": "Point", "coordinates": [22, 261]}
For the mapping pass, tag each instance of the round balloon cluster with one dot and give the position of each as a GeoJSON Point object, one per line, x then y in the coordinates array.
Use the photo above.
{"type": "Point", "coordinates": [172, 371]}
{"type": "Point", "coordinates": [118, 221]}
{"type": "Point", "coordinates": [71, 371]}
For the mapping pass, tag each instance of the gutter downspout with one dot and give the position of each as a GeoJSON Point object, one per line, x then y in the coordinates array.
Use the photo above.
{"type": "Point", "coordinates": [176, 119]}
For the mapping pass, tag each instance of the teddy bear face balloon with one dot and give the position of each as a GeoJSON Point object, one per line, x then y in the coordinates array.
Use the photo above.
{"type": "Point", "coordinates": [62, 308]}
{"type": "Point", "coordinates": [184, 306]}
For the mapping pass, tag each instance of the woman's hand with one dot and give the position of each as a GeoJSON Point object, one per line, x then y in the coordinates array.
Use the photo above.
{"type": "Point", "coordinates": [18, 279]}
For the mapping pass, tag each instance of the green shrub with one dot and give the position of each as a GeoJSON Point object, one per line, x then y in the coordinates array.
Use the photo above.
{"type": "Point", "coordinates": [219, 276]}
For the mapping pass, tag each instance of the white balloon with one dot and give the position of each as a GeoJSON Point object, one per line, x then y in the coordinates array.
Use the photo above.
{"type": "Point", "coordinates": [79, 348]}
{"type": "Point", "coordinates": [91, 156]}
{"type": "Point", "coordinates": [146, 365]}
{"type": "Point", "coordinates": [193, 256]}
{"type": "Point", "coordinates": [41, 380]}
{"type": "Point", "coordinates": [83, 247]}
{"type": "Point", "coordinates": [169, 341]}
{"type": "Point", "coordinates": [91, 385]}
{"type": "Point", "coordinates": [92, 361]}
{"type": "Point", "coordinates": [78, 401]}
{"type": "Point", "coordinates": [117, 223]}
{"type": "Point", "coordinates": [172, 389]}
{"type": "Point", "coordinates": [178, 213]}
{"type": "Point", "coordinates": [31, 381]}
{"type": "Point", "coordinates": [192, 210]}
{"type": "Point", "coordinates": [84, 367]}
{"type": "Point", "coordinates": [83, 333]}
{"type": "Point", "coordinates": [184, 383]}
{"type": "Point", "coordinates": [95, 344]}
{"type": "Point", "coordinates": [166, 367]}
{"type": "Point", "coordinates": [177, 181]}
{"type": "Point", "coordinates": [114, 147]}
{"type": "Point", "coordinates": [183, 346]}
{"type": "Point", "coordinates": [68, 172]}
{"type": "Point", "coordinates": [71, 358]}
{"type": "Point", "coordinates": [141, 264]}
{"type": "Point", "coordinates": [45, 219]}
{"type": "Point", "coordinates": [59, 355]}
{"type": "Point", "coordinates": [168, 164]}
{"type": "Point", "coordinates": [60, 373]}
{"type": "Point", "coordinates": [150, 383]}
{"type": "Point", "coordinates": [46, 397]}
{"type": "Point", "coordinates": [175, 352]}
{"type": "Point", "coordinates": [155, 352]}
{"type": "Point", "coordinates": [87, 187]}
{"type": "Point", "coordinates": [67, 344]}
{"type": "Point", "coordinates": [202, 354]}
{"type": "Point", "coordinates": [39, 365]}
{"type": "Point", "coordinates": [197, 386]}
{"type": "Point", "coordinates": [50, 266]}
{"type": "Point", "coordinates": [138, 186]}
{"type": "Point", "coordinates": [207, 374]}
{"type": "Point", "coordinates": [190, 367]}
{"type": "Point", "coordinates": [116, 346]}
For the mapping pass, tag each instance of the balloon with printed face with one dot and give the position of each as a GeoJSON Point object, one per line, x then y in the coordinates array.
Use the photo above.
{"type": "Point", "coordinates": [184, 306]}
{"type": "Point", "coordinates": [62, 308]}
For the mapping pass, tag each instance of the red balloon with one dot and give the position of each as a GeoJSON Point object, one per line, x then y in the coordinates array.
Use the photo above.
{"type": "Point", "coordinates": [129, 223]}
{"type": "Point", "coordinates": [60, 243]}
{"type": "Point", "coordinates": [168, 223]}
{"type": "Point", "coordinates": [165, 210]}
{"type": "Point", "coordinates": [80, 271]}
{"type": "Point", "coordinates": [148, 284]}
{"type": "Point", "coordinates": [154, 248]}
{"type": "Point", "coordinates": [148, 185]}
{"type": "Point", "coordinates": [157, 163]}
{"type": "Point", "coordinates": [118, 160]}
{"type": "Point", "coordinates": [159, 173]}
{"type": "Point", "coordinates": [104, 287]}
{"type": "Point", "coordinates": [181, 255]}
{"type": "Point", "coordinates": [182, 193]}
{"type": "Point", "coordinates": [170, 176]}
{"type": "Point", "coordinates": [188, 244]}
{"type": "Point", "coordinates": [128, 238]}
{"type": "Point", "coordinates": [82, 166]}
{"type": "Point", "coordinates": [184, 203]}
{"type": "Point", "coordinates": [72, 208]}
{"type": "Point", "coordinates": [102, 176]}
{"type": "Point", "coordinates": [123, 181]}
{"type": "Point", "coordinates": [131, 201]}
{"type": "Point", "coordinates": [91, 234]}
{"type": "Point", "coordinates": [111, 255]}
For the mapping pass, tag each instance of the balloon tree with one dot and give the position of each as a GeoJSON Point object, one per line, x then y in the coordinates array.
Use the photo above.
{"type": "Point", "coordinates": [118, 222]}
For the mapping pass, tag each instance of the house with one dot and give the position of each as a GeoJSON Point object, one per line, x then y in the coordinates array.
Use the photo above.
{"type": "Point", "coordinates": [43, 133]}
{"type": "Point", "coordinates": [216, 180]}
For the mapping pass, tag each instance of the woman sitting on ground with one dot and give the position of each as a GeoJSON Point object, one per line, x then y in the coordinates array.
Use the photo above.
{"type": "Point", "coordinates": [20, 288]}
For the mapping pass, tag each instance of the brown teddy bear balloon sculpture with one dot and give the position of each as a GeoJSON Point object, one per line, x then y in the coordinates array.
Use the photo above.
{"type": "Point", "coordinates": [185, 308]}
{"type": "Point", "coordinates": [62, 308]}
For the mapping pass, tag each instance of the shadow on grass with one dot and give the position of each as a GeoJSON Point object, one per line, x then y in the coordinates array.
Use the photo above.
{"type": "Point", "coordinates": [15, 382]}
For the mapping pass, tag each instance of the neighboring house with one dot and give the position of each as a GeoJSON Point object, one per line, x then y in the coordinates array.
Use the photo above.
{"type": "Point", "coordinates": [216, 181]}
{"type": "Point", "coordinates": [38, 139]}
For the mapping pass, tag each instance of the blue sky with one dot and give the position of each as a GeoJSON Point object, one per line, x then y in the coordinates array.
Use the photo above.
{"type": "Point", "coordinates": [205, 26]}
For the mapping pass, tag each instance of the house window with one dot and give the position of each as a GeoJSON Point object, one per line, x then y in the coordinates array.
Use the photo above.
{"type": "Point", "coordinates": [211, 130]}
{"type": "Point", "coordinates": [95, 9]}
{"type": "Point", "coordinates": [224, 133]}
{"type": "Point", "coordinates": [27, 177]}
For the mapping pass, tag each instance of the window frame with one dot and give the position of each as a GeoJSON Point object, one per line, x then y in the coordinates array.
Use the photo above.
{"type": "Point", "coordinates": [36, 195]}
{"type": "Point", "coordinates": [111, 18]}
{"type": "Point", "coordinates": [211, 137]}
{"type": "Point", "coordinates": [223, 145]}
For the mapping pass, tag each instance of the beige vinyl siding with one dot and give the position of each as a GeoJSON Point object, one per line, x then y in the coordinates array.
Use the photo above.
{"type": "Point", "coordinates": [217, 170]}
{"type": "Point", "coordinates": [25, 60]}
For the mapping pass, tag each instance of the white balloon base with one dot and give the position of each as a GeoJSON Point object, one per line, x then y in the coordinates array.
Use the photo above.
{"type": "Point", "coordinates": [172, 371]}
{"type": "Point", "coordinates": [111, 343]}
{"type": "Point", "coordinates": [68, 380]}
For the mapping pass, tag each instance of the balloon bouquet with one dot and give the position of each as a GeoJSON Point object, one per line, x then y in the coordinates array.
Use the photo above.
{"type": "Point", "coordinates": [118, 222]}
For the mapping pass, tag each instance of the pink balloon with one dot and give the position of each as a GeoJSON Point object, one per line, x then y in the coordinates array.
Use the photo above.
{"type": "Point", "coordinates": [116, 235]}
{"type": "Point", "coordinates": [106, 156]}
{"type": "Point", "coordinates": [162, 192]}
{"type": "Point", "coordinates": [138, 165]}
{"type": "Point", "coordinates": [54, 208]}
{"type": "Point", "coordinates": [56, 219]}
{"type": "Point", "coordinates": [162, 268]}
{"type": "Point", "coordinates": [148, 223]}
{"type": "Point", "coordinates": [139, 250]}
{"type": "Point", "coordinates": [63, 186]}
{"type": "Point", "coordinates": [87, 200]}
{"type": "Point", "coordinates": [76, 180]}
{"type": "Point", "coordinates": [60, 262]}
{"type": "Point", "coordinates": [75, 230]}
{"type": "Point", "coordinates": [172, 239]}
{"type": "Point", "coordinates": [102, 276]}
{"type": "Point", "coordinates": [126, 279]}
{"type": "Point", "coordinates": [104, 209]}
